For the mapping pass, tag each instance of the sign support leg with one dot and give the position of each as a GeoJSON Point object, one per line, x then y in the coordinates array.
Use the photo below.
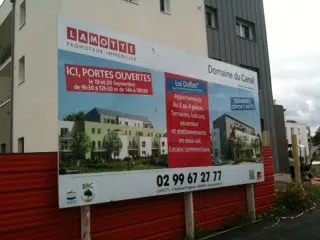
{"type": "Point", "coordinates": [251, 202]}
{"type": "Point", "coordinates": [85, 223]}
{"type": "Point", "coordinates": [189, 214]}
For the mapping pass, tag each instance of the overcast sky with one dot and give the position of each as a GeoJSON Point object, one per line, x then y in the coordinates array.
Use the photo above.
{"type": "Point", "coordinates": [294, 49]}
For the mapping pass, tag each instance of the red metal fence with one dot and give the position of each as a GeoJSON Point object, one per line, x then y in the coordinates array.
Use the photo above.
{"type": "Point", "coordinates": [29, 206]}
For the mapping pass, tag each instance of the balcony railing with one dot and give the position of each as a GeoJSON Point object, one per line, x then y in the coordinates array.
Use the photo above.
{"type": "Point", "coordinates": [5, 53]}
{"type": "Point", "coordinates": [5, 100]}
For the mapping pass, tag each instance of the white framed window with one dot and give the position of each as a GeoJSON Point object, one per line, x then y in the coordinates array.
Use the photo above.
{"type": "Point", "coordinates": [143, 144]}
{"type": "Point", "coordinates": [143, 152]}
{"type": "Point", "coordinates": [23, 14]}
{"type": "Point", "coordinates": [245, 29]}
{"type": "Point", "coordinates": [165, 6]}
{"type": "Point", "coordinates": [133, 1]}
{"type": "Point", "coordinates": [22, 69]}
{"type": "Point", "coordinates": [211, 17]}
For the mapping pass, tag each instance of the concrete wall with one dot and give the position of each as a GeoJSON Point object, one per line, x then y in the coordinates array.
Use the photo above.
{"type": "Point", "coordinates": [282, 144]}
{"type": "Point", "coordinates": [183, 29]}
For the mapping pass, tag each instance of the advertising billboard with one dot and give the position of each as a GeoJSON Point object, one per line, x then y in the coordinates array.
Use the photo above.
{"type": "Point", "coordinates": [138, 119]}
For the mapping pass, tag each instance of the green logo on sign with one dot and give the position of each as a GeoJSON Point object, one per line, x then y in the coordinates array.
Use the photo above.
{"type": "Point", "coordinates": [88, 192]}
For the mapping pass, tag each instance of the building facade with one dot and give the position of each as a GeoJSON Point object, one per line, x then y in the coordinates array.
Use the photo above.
{"type": "Point", "coordinates": [236, 33]}
{"type": "Point", "coordinates": [282, 142]}
{"type": "Point", "coordinates": [35, 59]}
{"type": "Point", "coordinates": [226, 30]}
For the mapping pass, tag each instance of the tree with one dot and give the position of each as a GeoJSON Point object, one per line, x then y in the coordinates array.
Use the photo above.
{"type": "Point", "coordinates": [112, 143]}
{"type": "Point", "coordinates": [255, 144]}
{"type": "Point", "coordinates": [316, 137]}
{"type": "Point", "coordinates": [240, 144]}
{"type": "Point", "coordinates": [79, 116]}
{"type": "Point", "coordinates": [80, 145]}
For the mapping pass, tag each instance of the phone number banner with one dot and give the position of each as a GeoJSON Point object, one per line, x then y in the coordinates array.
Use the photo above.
{"type": "Point", "coordinates": [84, 189]}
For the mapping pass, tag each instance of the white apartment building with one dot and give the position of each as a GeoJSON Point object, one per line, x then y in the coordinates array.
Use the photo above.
{"type": "Point", "coordinates": [292, 127]}
{"type": "Point", "coordinates": [250, 138]}
{"type": "Point", "coordinates": [34, 96]}
{"type": "Point", "coordinates": [130, 122]}
{"type": "Point", "coordinates": [163, 145]}
{"type": "Point", "coordinates": [65, 136]}
{"type": "Point", "coordinates": [145, 148]}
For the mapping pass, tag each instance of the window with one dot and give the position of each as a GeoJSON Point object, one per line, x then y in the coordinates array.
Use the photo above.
{"type": "Point", "coordinates": [143, 152]}
{"type": "Point", "coordinates": [21, 70]}
{"type": "Point", "coordinates": [93, 130]}
{"type": "Point", "coordinates": [211, 17]}
{"type": "Point", "coordinates": [99, 130]}
{"type": "Point", "coordinates": [143, 144]}
{"type": "Point", "coordinates": [22, 14]}
{"type": "Point", "coordinates": [165, 6]}
{"type": "Point", "coordinates": [3, 148]}
{"type": "Point", "coordinates": [299, 141]}
{"type": "Point", "coordinates": [99, 144]}
{"type": "Point", "coordinates": [129, 133]}
{"type": "Point", "coordinates": [162, 144]}
{"type": "Point", "coordinates": [93, 145]}
{"type": "Point", "coordinates": [21, 145]}
{"type": "Point", "coordinates": [245, 29]}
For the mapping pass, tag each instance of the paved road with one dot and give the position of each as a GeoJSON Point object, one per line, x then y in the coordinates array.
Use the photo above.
{"type": "Point", "coordinates": [306, 227]}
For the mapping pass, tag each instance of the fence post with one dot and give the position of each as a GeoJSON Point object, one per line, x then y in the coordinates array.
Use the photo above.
{"type": "Point", "coordinates": [189, 214]}
{"type": "Point", "coordinates": [295, 150]}
{"type": "Point", "coordinates": [85, 223]}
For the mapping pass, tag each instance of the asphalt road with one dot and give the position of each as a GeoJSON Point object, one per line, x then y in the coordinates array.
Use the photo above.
{"type": "Point", "coordinates": [306, 227]}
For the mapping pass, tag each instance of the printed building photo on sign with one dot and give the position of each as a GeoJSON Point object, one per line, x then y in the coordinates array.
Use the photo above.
{"type": "Point", "coordinates": [133, 111]}
{"type": "Point", "coordinates": [119, 117]}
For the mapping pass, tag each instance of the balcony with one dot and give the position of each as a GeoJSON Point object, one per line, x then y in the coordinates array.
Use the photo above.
{"type": "Point", "coordinates": [5, 56]}
{"type": "Point", "coordinates": [5, 100]}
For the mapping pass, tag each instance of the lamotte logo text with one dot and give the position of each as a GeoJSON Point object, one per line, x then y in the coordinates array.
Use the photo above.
{"type": "Point", "coordinates": [100, 44]}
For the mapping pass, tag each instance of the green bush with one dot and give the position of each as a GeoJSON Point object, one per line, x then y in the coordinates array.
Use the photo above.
{"type": "Point", "coordinates": [293, 198]}
{"type": "Point", "coordinates": [313, 191]}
